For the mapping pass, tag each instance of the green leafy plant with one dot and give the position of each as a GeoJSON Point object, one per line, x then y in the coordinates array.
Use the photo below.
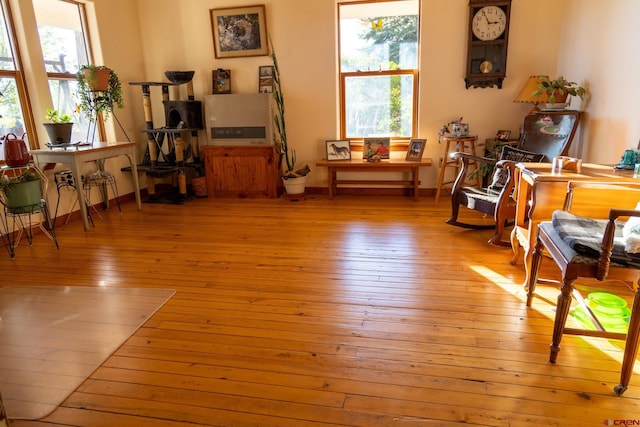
{"type": "Point", "coordinates": [558, 87]}
{"type": "Point", "coordinates": [54, 116]}
{"type": "Point", "coordinates": [287, 154]}
{"type": "Point", "coordinates": [95, 101]}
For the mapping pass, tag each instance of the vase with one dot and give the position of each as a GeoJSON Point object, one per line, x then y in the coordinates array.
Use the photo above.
{"type": "Point", "coordinates": [59, 133]}
{"type": "Point", "coordinates": [23, 196]}
{"type": "Point", "coordinates": [294, 185]}
{"type": "Point", "coordinates": [459, 129]}
{"type": "Point", "coordinates": [97, 78]}
{"type": "Point", "coordinates": [16, 153]}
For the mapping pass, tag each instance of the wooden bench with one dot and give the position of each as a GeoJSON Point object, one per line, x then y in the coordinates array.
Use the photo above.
{"type": "Point", "coordinates": [382, 166]}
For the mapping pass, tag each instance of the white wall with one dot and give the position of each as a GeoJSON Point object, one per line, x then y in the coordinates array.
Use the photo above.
{"type": "Point", "coordinates": [143, 38]}
{"type": "Point", "coordinates": [304, 35]}
{"type": "Point", "coordinates": [598, 49]}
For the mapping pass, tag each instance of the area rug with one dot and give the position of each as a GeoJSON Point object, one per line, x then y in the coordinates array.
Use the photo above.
{"type": "Point", "coordinates": [53, 338]}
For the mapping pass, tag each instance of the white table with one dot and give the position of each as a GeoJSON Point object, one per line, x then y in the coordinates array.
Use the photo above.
{"type": "Point", "coordinates": [75, 156]}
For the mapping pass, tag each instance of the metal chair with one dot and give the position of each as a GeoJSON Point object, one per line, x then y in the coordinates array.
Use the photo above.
{"type": "Point", "coordinates": [102, 180]}
{"type": "Point", "coordinates": [64, 180]}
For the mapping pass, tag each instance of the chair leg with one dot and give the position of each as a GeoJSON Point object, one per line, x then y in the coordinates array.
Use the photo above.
{"type": "Point", "coordinates": [114, 190]}
{"type": "Point", "coordinates": [562, 312]}
{"type": "Point", "coordinates": [536, 261]}
{"type": "Point", "coordinates": [631, 345]}
{"type": "Point", "coordinates": [455, 209]}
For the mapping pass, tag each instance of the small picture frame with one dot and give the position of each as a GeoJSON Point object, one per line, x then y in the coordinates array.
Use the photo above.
{"type": "Point", "coordinates": [503, 135]}
{"type": "Point", "coordinates": [221, 81]}
{"type": "Point", "coordinates": [265, 79]}
{"type": "Point", "coordinates": [338, 149]}
{"type": "Point", "coordinates": [415, 150]}
{"type": "Point", "coordinates": [239, 31]}
{"type": "Point", "coordinates": [376, 148]}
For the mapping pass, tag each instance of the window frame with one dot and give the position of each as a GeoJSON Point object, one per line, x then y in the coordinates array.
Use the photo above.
{"type": "Point", "coordinates": [18, 76]}
{"type": "Point", "coordinates": [415, 72]}
{"type": "Point", "coordinates": [72, 76]}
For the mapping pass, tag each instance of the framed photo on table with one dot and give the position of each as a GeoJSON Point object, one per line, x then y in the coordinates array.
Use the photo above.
{"type": "Point", "coordinates": [376, 148]}
{"type": "Point", "coordinates": [416, 148]}
{"type": "Point", "coordinates": [239, 31]}
{"type": "Point", "coordinates": [338, 150]}
{"type": "Point", "coordinates": [503, 135]}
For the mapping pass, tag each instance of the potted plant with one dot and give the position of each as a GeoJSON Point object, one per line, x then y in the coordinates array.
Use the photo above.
{"type": "Point", "coordinates": [60, 127]}
{"type": "Point", "coordinates": [294, 180]}
{"type": "Point", "coordinates": [99, 89]}
{"type": "Point", "coordinates": [558, 90]}
{"type": "Point", "coordinates": [21, 193]}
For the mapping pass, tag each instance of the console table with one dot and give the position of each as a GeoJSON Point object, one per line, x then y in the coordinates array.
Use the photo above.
{"type": "Point", "coordinates": [382, 166]}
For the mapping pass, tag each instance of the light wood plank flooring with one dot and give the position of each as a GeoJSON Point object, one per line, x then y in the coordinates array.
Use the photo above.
{"type": "Point", "coordinates": [361, 311]}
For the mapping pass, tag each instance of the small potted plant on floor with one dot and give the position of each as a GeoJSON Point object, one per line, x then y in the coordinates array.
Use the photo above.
{"type": "Point", "coordinates": [558, 91]}
{"type": "Point", "coordinates": [59, 127]}
{"type": "Point", "coordinates": [293, 179]}
{"type": "Point", "coordinates": [21, 193]}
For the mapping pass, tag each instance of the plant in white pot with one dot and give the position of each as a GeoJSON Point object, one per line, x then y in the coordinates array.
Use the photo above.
{"type": "Point", "coordinates": [293, 179]}
{"type": "Point", "coordinates": [59, 127]}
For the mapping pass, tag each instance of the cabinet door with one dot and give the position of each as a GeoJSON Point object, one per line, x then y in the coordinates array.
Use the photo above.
{"type": "Point", "coordinates": [241, 171]}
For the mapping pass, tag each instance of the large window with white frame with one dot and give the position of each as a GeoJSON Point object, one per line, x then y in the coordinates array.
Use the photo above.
{"type": "Point", "coordinates": [379, 55]}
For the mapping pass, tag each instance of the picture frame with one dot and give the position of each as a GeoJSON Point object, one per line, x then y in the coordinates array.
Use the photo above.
{"type": "Point", "coordinates": [503, 135]}
{"type": "Point", "coordinates": [415, 150]}
{"type": "Point", "coordinates": [376, 148]}
{"type": "Point", "coordinates": [221, 81]}
{"type": "Point", "coordinates": [239, 31]}
{"type": "Point", "coordinates": [338, 149]}
{"type": "Point", "coordinates": [265, 79]}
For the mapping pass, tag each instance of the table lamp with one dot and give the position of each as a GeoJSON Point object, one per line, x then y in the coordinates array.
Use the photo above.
{"type": "Point", "coordinates": [527, 91]}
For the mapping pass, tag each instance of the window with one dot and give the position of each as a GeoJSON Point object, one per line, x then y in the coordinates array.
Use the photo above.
{"type": "Point", "coordinates": [63, 40]}
{"type": "Point", "coordinates": [14, 118]}
{"type": "Point", "coordinates": [379, 68]}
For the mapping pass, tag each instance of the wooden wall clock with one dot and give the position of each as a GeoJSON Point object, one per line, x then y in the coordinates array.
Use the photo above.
{"type": "Point", "coordinates": [487, 43]}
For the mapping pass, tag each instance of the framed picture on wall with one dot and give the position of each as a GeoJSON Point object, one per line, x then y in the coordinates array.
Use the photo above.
{"type": "Point", "coordinates": [338, 149]}
{"type": "Point", "coordinates": [221, 81]}
{"type": "Point", "coordinates": [239, 31]}
{"type": "Point", "coordinates": [416, 148]}
{"type": "Point", "coordinates": [265, 79]}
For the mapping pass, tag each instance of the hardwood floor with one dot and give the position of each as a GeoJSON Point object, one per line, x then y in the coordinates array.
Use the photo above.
{"type": "Point", "coordinates": [361, 311]}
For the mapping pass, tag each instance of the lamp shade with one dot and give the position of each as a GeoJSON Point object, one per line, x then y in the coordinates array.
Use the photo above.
{"type": "Point", "coordinates": [530, 86]}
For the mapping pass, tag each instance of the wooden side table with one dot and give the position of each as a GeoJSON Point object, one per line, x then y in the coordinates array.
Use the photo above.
{"type": "Point", "coordinates": [413, 168]}
{"type": "Point", "coordinates": [466, 144]}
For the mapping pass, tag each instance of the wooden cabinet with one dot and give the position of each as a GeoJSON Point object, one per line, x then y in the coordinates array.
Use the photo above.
{"type": "Point", "coordinates": [241, 171]}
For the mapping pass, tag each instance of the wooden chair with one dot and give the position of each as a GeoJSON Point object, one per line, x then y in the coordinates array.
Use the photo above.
{"type": "Point", "coordinates": [572, 242]}
{"type": "Point", "coordinates": [545, 135]}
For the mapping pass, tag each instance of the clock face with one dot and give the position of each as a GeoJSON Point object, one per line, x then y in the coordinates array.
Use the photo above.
{"type": "Point", "coordinates": [489, 23]}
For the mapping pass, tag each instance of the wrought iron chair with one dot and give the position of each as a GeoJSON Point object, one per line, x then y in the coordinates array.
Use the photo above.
{"type": "Point", "coordinates": [593, 246]}
{"type": "Point", "coordinates": [102, 180]}
{"type": "Point", "coordinates": [545, 135]}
